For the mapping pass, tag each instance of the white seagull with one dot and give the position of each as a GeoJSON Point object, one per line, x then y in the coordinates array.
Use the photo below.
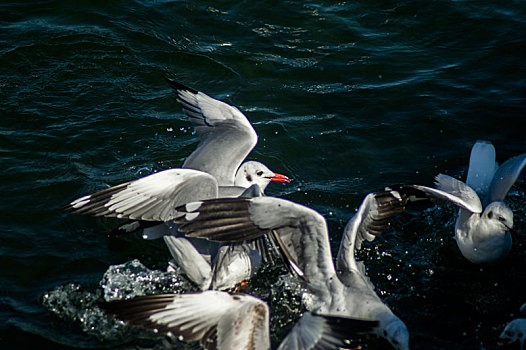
{"type": "Point", "coordinates": [484, 222]}
{"type": "Point", "coordinates": [223, 321]}
{"type": "Point", "coordinates": [215, 168]}
{"type": "Point", "coordinates": [302, 232]}
{"type": "Point", "coordinates": [515, 330]}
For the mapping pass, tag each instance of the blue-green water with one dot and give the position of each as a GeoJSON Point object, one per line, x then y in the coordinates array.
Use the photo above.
{"type": "Point", "coordinates": [346, 97]}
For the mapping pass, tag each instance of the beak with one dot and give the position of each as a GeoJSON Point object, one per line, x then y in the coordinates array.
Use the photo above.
{"type": "Point", "coordinates": [280, 178]}
{"type": "Point", "coordinates": [513, 231]}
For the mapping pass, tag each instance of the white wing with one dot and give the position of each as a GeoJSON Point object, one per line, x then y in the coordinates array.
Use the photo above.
{"type": "Point", "coordinates": [226, 136]}
{"type": "Point", "coordinates": [454, 191]}
{"type": "Point", "coordinates": [217, 319]}
{"type": "Point", "coordinates": [324, 332]}
{"type": "Point", "coordinates": [505, 177]}
{"type": "Point", "coordinates": [151, 198]}
{"type": "Point", "coordinates": [303, 231]}
{"type": "Point", "coordinates": [194, 265]}
{"type": "Point", "coordinates": [482, 167]}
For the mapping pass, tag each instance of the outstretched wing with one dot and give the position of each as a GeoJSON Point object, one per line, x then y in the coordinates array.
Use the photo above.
{"type": "Point", "coordinates": [323, 332]}
{"type": "Point", "coordinates": [226, 136]}
{"type": "Point", "coordinates": [217, 319]}
{"type": "Point", "coordinates": [372, 218]}
{"type": "Point", "coordinates": [151, 198]}
{"type": "Point", "coordinates": [453, 191]}
{"type": "Point", "coordinates": [505, 177]}
{"type": "Point", "coordinates": [301, 230]}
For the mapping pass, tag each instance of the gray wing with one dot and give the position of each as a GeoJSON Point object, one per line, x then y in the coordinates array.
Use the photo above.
{"type": "Point", "coordinates": [301, 230]}
{"type": "Point", "coordinates": [505, 177]}
{"type": "Point", "coordinates": [226, 136]}
{"type": "Point", "coordinates": [372, 218]}
{"type": "Point", "coordinates": [453, 191]}
{"type": "Point", "coordinates": [151, 198]}
{"type": "Point", "coordinates": [217, 319]}
{"type": "Point", "coordinates": [482, 167]}
{"type": "Point", "coordinates": [323, 332]}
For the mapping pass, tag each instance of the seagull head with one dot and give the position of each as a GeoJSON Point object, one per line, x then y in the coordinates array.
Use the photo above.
{"type": "Point", "coordinates": [501, 216]}
{"type": "Point", "coordinates": [395, 331]}
{"type": "Point", "coordinates": [253, 172]}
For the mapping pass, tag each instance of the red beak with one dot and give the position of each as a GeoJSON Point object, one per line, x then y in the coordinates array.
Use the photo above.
{"type": "Point", "coordinates": [280, 178]}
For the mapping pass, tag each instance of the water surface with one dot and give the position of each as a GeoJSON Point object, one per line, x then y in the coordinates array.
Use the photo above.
{"type": "Point", "coordinates": [347, 97]}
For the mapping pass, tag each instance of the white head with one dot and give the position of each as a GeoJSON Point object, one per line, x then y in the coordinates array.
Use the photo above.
{"type": "Point", "coordinates": [500, 216]}
{"type": "Point", "coordinates": [395, 331]}
{"type": "Point", "coordinates": [253, 172]}
{"type": "Point", "coordinates": [515, 330]}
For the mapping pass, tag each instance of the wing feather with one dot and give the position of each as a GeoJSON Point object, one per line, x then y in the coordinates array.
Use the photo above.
{"type": "Point", "coordinates": [302, 232]}
{"type": "Point", "coordinates": [505, 177]}
{"type": "Point", "coordinates": [324, 332]}
{"type": "Point", "coordinates": [211, 317]}
{"type": "Point", "coordinates": [226, 136]}
{"type": "Point", "coordinates": [151, 198]}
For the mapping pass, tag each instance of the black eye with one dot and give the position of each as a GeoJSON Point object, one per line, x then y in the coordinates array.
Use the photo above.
{"type": "Point", "coordinates": [490, 214]}
{"type": "Point", "coordinates": [501, 219]}
{"type": "Point", "coordinates": [259, 173]}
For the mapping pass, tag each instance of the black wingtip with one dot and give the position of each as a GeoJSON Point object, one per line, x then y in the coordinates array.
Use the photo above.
{"type": "Point", "coordinates": [178, 86]}
{"type": "Point", "coordinates": [413, 198]}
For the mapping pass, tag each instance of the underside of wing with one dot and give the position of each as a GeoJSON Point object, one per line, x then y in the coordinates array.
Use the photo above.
{"type": "Point", "coordinates": [299, 232]}
{"type": "Point", "coordinates": [453, 191]}
{"type": "Point", "coordinates": [505, 177]}
{"type": "Point", "coordinates": [221, 220]}
{"type": "Point", "coordinates": [373, 217]}
{"type": "Point", "coordinates": [151, 198]}
{"type": "Point", "coordinates": [226, 136]}
{"type": "Point", "coordinates": [193, 316]}
{"type": "Point", "coordinates": [323, 332]}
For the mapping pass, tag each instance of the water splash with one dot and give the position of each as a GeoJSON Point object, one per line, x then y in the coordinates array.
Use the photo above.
{"type": "Point", "coordinates": [133, 279]}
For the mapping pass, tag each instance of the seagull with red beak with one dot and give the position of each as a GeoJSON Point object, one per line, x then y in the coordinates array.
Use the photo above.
{"type": "Point", "coordinates": [216, 168]}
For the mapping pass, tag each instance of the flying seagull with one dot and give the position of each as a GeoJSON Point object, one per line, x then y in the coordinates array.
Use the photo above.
{"type": "Point", "coordinates": [343, 290]}
{"type": "Point", "coordinates": [215, 168]}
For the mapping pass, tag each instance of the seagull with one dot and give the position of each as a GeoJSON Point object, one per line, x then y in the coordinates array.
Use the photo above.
{"type": "Point", "coordinates": [215, 168]}
{"type": "Point", "coordinates": [515, 330]}
{"type": "Point", "coordinates": [484, 224]}
{"type": "Point", "coordinates": [343, 290]}
{"type": "Point", "coordinates": [223, 321]}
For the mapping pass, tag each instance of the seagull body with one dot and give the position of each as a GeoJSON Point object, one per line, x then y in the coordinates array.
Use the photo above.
{"type": "Point", "coordinates": [344, 290]}
{"type": "Point", "coordinates": [484, 221]}
{"type": "Point", "coordinates": [215, 168]}
{"type": "Point", "coordinates": [223, 321]}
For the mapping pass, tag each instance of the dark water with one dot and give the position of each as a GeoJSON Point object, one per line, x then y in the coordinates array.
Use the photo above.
{"type": "Point", "coordinates": [346, 97]}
